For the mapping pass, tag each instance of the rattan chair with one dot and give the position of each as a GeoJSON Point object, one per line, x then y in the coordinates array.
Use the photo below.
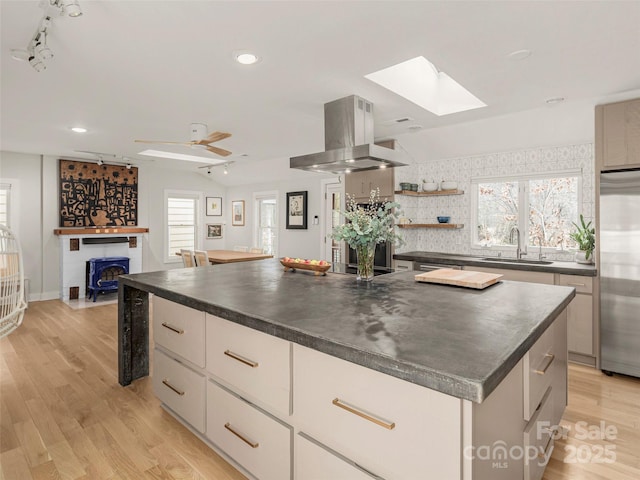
{"type": "Point", "coordinates": [240, 248]}
{"type": "Point", "coordinates": [12, 292]}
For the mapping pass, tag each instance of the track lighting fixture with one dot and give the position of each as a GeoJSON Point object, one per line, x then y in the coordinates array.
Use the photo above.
{"type": "Point", "coordinates": [100, 162]}
{"type": "Point", "coordinates": [37, 50]}
{"type": "Point", "coordinates": [128, 165]}
{"type": "Point", "coordinates": [226, 169]}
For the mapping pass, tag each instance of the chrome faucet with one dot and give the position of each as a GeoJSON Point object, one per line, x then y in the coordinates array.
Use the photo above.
{"type": "Point", "coordinates": [518, 249]}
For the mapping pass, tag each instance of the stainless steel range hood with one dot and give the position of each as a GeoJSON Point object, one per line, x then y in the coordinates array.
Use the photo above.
{"type": "Point", "coordinates": [348, 141]}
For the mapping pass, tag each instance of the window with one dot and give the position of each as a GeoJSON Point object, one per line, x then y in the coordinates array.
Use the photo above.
{"type": "Point", "coordinates": [542, 207]}
{"type": "Point", "coordinates": [182, 214]}
{"type": "Point", "coordinates": [266, 227]}
{"type": "Point", "coordinates": [5, 205]}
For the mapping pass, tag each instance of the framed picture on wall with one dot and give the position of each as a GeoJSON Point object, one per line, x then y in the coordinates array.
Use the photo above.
{"type": "Point", "coordinates": [214, 206]}
{"type": "Point", "coordinates": [214, 230]}
{"type": "Point", "coordinates": [297, 210]}
{"type": "Point", "coordinates": [237, 213]}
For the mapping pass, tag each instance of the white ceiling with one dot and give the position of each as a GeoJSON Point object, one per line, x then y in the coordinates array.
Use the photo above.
{"type": "Point", "coordinates": [147, 69]}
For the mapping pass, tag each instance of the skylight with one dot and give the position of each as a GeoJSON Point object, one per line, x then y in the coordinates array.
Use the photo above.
{"type": "Point", "coordinates": [419, 81]}
{"type": "Point", "coordinates": [181, 156]}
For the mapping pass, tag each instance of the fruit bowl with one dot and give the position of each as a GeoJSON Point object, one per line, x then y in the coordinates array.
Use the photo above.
{"type": "Point", "coordinates": [293, 264]}
{"type": "Point", "coordinates": [444, 219]}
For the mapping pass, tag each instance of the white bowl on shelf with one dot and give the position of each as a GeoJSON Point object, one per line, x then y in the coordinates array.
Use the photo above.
{"type": "Point", "coordinates": [448, 185]}
{"type": "Point", "coordinates": [429, 187]}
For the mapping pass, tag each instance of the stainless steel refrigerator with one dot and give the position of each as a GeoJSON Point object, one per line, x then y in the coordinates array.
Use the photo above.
{"type": "Point", "coordinates": [620, 272]}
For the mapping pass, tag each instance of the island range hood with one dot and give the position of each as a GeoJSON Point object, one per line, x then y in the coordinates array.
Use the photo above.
{"type": "Point", "coordinates": [348, 141]}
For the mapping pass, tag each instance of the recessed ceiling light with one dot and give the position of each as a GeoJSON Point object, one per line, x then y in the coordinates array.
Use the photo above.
{"type": "Point", "coordinates": [79, 129]}
{"type": "Point", "coordinates": [180, 156]}
{"type": "Point", "coordinates": [554, 100]}
{"type": "Point", "coordinates": [420, 82]}
{"type": "Point", "coordinates": [246, 58]}
{"type": "Point", "coordinates": [519, 54]}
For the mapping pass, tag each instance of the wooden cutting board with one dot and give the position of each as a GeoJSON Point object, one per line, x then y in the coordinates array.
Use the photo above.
{"type": "Point", "coordinates": [460, 278]}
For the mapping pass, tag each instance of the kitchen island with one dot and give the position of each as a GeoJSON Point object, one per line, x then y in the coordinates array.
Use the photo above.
{"type": "Point", "coordinates": [460, 357]}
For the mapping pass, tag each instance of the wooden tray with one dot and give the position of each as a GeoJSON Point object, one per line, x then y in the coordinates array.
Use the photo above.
{"type": "Point", "coordinates": [459, 278]}
{"type": "Point", "coordinates": [316, 269]}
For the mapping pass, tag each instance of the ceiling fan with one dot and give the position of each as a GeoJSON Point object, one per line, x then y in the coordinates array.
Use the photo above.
{"type": "Point", "coordinates": [199, 139]}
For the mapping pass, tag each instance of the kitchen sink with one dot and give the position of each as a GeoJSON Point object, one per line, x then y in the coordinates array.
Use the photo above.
{"type": "Point", "coordinates": [516, 260]}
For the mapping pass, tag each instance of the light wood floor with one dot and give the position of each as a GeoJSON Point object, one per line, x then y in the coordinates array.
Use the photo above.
{"type": "Point", "coordinates": [64, 415]}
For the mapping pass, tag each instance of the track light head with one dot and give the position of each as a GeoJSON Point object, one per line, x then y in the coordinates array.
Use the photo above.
{"type": "Point", "coordinates": [72, 8]}
{"type": "Point", "coordinates": [128, 166]}
{"type": "Point", "coordinates": [37, 64]}
{"type": "Point", "coordinates": [226, 170]}
{"type": "Point", "coordinates": [100, 162]}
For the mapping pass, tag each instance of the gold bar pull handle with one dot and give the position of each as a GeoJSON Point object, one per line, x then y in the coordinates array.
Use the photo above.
{"type": "Point", "coordinates": [178, 391]}
{"type": "Point", "coordinates": [179, 331]}
{"type": "Point", "coordinates": [577, 284]}
{"type": "Point", "coordinates": [241, 437]}
{"type": "Point", "coordinates": [339, 403]}
{"type": "Point", "coordinates": [549, 357]}
{"type": "Point", "coordinates": [241, 359]}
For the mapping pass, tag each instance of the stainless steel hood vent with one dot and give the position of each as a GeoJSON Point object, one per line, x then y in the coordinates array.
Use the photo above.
{"type": "Point", "coordinates": [348, 141]}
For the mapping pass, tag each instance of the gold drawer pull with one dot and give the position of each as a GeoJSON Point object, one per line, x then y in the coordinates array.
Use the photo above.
{"type": "Point", "coordinates": [166, 382]}
{"type": "Point", "coordinates": [179, 331]}
{"type": "Point", "coordinates": [549, 357]}
{"type": "Point", "coordinates": [241, 359]}
{"type": "Point", "coordinates": [248, 442]}
{"type": "Point", "coordinates": [338, 403]}
{"type": "Point", "coordinates": [577, 284]}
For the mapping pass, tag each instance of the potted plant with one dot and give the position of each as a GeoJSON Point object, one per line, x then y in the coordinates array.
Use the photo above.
{"type": "Point", "coordinates": [586, 239]}
{"type": "Point", "coordinates": [365, 227]}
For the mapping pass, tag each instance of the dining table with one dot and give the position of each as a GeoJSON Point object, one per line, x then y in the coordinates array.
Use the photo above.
{"type": "Point", "coordinates": [232, 256]}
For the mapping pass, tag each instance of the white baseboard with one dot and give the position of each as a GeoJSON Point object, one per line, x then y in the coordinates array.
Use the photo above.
{"type": "Point", "coordinates": [39, 297]}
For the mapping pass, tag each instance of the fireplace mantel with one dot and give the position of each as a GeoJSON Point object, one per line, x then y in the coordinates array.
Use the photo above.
{"type": "Point", "coordinates": [98, 230]}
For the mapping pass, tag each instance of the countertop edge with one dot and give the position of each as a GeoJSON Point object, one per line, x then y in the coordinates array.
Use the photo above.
{"type": "Point", "coordinates": [453, 259]}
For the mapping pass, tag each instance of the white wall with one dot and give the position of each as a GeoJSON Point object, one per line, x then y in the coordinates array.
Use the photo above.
{"type": "Point", "coordinates": [293, 243]}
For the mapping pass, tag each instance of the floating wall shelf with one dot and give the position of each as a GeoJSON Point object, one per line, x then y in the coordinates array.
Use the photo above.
{"type": "Point", "coordinates": [450, 226]}
{"type": "Point", "coordinates": [428, 194]}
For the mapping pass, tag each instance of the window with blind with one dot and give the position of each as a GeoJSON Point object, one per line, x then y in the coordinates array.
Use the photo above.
{"type": "Point", "coordinates": [182, 223]}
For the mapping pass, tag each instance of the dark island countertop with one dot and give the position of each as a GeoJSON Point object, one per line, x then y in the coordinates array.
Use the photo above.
{"type": "Point", "coordinates": [458, 341]}
{"type": "Point", "coordinates": [439, 258]}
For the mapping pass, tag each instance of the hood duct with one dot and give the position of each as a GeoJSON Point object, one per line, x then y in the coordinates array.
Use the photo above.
{"type": "Point", "coordinates": [348, 141]}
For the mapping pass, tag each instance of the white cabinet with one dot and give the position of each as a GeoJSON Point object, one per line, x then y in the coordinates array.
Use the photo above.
{"type": "Point", "coordinates": [517, 275]}
{"type": "Point", "coordinates": [402, 265]}
{"type": "Point", "coordinates": [388, 426]}
{"type": "Point", "coordinates": [315, 461]}
{"type": "Point", "coordinates": [180, 388]}
{"type": "Point", "coordinates": [580, 314]}
{"type": "Point", "coordinates": [179, 329]}
{"type": "Point", "coordinates": [257, 441]}
{"type": "Point", "coordinates": [253, 363]}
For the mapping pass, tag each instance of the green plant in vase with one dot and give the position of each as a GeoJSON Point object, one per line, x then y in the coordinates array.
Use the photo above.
{"type": "Point", "coordinates": [365, 227]}
{"type": "Point", "coordinates": [585, 237]}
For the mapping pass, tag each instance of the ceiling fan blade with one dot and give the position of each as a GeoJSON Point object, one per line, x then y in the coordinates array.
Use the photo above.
{"type": "Point", "coordinates": [164, 143]}
{"type": "Point", "coordinates": [215, 137]}
{"type": "Point", "coordinates": [218, 151]}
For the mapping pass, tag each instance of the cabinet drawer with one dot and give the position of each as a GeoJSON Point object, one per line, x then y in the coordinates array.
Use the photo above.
{"type": "Point", "coordinates": [256, 441]}
{"type": "Point", "coordinates": [517, 275]}
{"type": "Point", "coordinates": [581, 284]}
{"type": "Point", "coordinates": [394, 428]}
{"type": "Point", "coordinates": [580, 324]}
{"type": "Point", "coordinates": [254, 363]}
{"type": "Point", "coordinates": [315, 461]}
{"type": "Point", "coordinates": [539, 439]}
{"type": "Point", "coordinates": [179, 329]}
{"type": "Point", "coordinates": [180, 388]}
{"type": "Point", "coordinates": [539, 363]}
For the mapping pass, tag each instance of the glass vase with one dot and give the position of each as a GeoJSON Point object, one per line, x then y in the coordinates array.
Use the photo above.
{"type": "Point", "coordinates": [365, 256]}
